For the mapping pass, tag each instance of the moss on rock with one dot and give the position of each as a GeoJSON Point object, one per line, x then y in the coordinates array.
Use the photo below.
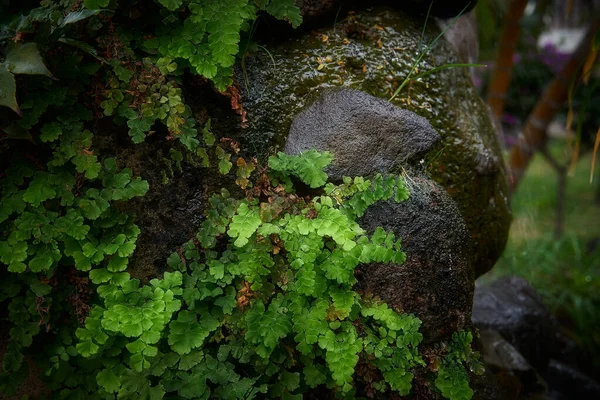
{"type": "Point", "coordinates": [373, 51]}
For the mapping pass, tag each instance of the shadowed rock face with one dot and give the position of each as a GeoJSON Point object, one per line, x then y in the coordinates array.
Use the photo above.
{"type": "Point", "coordinates": [369, 135]}
{"type": "Point", "coordinates": [436, 281]}
{"type": "Point", "coordinates": [373, 51]}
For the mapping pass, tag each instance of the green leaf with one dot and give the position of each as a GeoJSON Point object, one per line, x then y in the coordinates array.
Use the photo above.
{"type": "Point", "coordinates": [87, 163]}
{"type": "Point", "coordinates": [453, 381]}
{"type": "Point", "coordinates": [171, 5]}
{"type": "Point", "coordinates": [285, 9]}
{"type": "Point", "coordinates": [95, 4]}
{"type": "Point", "coordinates": [108, 380]}
{"type": "Point", "coordinates": [86, 347]}
{"type": "Point", "coordinates": [82, 262]}
{"type": "Point", "coordinates": [228, 302]}
{"type": "Point", "coordinates": [188, 361]}
{"type": "Point", "coordinates": [124, 74]}
{"type": "Point", "coordinates": [45, 256]}
{"type": "Point", "coordinates": [313, 376]}
{"type": "Point", "coordinates": [187, 333]}
{"type": "Point", "coordinates": [138, 188]}
{"type": "Point", "coordinates": [110, 164]}
{"type": "Point", "coordinates": [400, 380]}
{"type": "Point", "coordinates": [343, 300]}
{"type": "Point", "coordinates": [39, 288]}
{"type": "Point", "coordinates": [126, 249]}
{"type": "Point", "coordinates": [120, 279]}
{"type": "Point", "coordinates": [309, 325]}
{"type": "Point", "coordinates": [308, 166]}
{"type": "Point", "coordinates": [243, 224]}
{"type": "Point", "coordinates": [77, 16]}
{"type": "Point", "coordinates": [402, 192]}
{"type": "Point", "coordinates": [117, 264]}
{"type": "Point", "coordinates": [14, 256]}
{"type": "Point", "coordinates": [101, 275]}
{"type": "Point", "coordinates": [8, 90]}
{"type": "Point", "coordinates": [224, 163]}
{"type": "Point", "coordinates": [291, 380]}
{"type": "Point", "coordinates": [25, 59]}
{"type": "Point", "coordinates": [266, 328]}
{"type": "Point", "coordinates": [39, 189]}
{"type": "Point", "coordinates": [50, 132]}
{"type": "Point", "coordinates": [207, 135]}
{"type": "Point", "coordinates": [73, 225]}
{"type": "Point", "coordinates": [13, 358]}
{"type": "Point", "coordinates": [93, 208]}
{"type": "Point", "coordinates": [341, 354]}
{"type": "Point", "coordinates": [139, 127]}
{"type": "Point", "coordinates": [224, 22]}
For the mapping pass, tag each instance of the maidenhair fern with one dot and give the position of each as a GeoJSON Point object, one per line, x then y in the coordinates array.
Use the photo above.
{"type": "Point", "coordinates": [261, 293]}
{"type": "Point", "coordinates": [208, 40]}
{"type": "Point", "coordinates": [452, 379]}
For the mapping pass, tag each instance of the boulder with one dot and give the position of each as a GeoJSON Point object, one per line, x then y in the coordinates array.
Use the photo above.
{"type": "Point", "coordinates": [373, 52]}
{"type": "Point", "coordinates": [513, 308]}
{"type": "Point", "coordinates": [436, 281]}
{"type": "Point", "coordinates": [368, 135]}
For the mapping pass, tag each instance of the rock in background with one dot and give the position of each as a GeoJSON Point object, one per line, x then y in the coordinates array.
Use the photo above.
{"type": "Point", "coordinates": [522, 343]}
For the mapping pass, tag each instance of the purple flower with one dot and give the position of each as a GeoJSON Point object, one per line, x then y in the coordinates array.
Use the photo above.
{"type": "Point", "coordinates": [510, 119]}
{"type": "Point", "coordinates": [554, 59]}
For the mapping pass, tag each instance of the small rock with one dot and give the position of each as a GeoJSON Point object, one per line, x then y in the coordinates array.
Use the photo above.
{"type": "Point", "coordinates": [366, 134]}
{"type": "Point", "coordinates": [505, 361]}
{"type": "Point", "coordinates": [513, 308]}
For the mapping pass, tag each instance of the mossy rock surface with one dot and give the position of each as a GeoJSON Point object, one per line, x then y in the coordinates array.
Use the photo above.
{"type": "Point", "coordinates": [373, 51]}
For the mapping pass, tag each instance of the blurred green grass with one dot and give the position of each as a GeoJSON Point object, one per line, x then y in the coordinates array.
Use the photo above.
{"type": "Point", "coordinates": [565, 272]}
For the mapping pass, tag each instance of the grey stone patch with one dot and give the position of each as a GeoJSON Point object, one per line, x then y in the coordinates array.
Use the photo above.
{"type": "Point", "coordinates": [366, 134]}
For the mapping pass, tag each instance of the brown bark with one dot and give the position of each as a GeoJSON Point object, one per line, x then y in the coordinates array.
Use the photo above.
{"type": "Point", "coordinates": [534, 130]}
{"type": "Point", "coordinates": [500, 79]}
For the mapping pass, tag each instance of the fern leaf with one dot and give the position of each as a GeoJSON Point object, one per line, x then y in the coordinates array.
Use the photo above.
{"type": "Point", "coordinates": [285, 9]}
{"type": "Point", "coordinates": [244, 224]}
